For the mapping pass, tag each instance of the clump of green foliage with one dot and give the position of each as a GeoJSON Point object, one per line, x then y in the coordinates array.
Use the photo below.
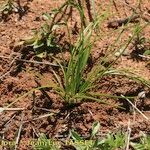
{"type": "Point", "coordinates": [75, 85]}
{"type": "Point", "coordinates": [143, 144]}
{"type": "Point", "coordinates": [75, 81]}
{"type": "Point", "coordinates": [45, 39]}
{"type": "Point", "coordinates": [112, 141]}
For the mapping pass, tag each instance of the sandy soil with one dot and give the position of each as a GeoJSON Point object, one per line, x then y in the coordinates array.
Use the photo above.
{"type": "Point", "coordinates": [17, 78]}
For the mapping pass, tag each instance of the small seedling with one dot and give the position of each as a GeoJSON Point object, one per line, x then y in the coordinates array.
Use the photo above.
{"type": "Point", "coordinates": [81, 144]}
{"type": "Point", "coordinates": [113, 141]}
{"type": "Point", "coordinates": [45, 144]}
{"type": "Point", "coordinates": [45, 39]}
{"type": "Point", "coordinates": [42, 41]}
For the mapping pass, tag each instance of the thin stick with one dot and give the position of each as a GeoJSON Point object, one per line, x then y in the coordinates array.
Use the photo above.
{"type": "Point", "coordinates": [35, 132]}
{"type": "Point", "coordinates": [6, 57]}
{"type": "Point", "coordinates": [19, 132]}
{"type": "Point", "coordinates": [6, 125]}
{"type": "Point", "coordinates": [5, 74]}
{"type": "Point", "coordinates": [120, 22]}
{"type": "Point", "coordinates": [40, 117]}
{"type": "Point", "coordinates": [30, 61]}
{"type": "Point", "coordinates": [38, 62]}
{"type": "Point", "coordinates": [43, 116]}
{"type": "Point", "coordinates": [134, 112]}
{"type": "Point", "coordinates": [129, 135]}
{"type": "Point", "coordinates": [10, 68]}
{"type": "Point", "coordinates": [10, 109]}
{"type": "Point", "coordinates": [147, 57]}
{"type": "Point", "coordinates": [135, 107]}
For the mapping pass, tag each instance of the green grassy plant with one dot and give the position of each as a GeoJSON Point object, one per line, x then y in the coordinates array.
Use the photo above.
{"type": "Point", "coordinates": [76, 85]}
{"type": "Point", "coordinates": [76, 81]}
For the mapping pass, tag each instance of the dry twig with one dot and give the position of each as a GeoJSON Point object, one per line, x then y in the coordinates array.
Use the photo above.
{"type": "Point", "coordinates": [129, 135]}
{"type": "Point", "coordinates": [120, 22]}
{"type": "Point", "coordinates": [135, 108]}
{"type": "Point", "coordinates": [19, 131]}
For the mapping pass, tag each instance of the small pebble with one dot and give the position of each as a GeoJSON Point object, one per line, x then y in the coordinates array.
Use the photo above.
{"type": "Point", "coordinates": [142, 94]}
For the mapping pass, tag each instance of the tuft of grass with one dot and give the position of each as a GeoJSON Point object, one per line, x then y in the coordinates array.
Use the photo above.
{"type": "Point", "coordinates": [75, 84]}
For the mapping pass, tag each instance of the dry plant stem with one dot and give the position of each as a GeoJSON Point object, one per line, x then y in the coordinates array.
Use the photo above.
{"type": "Point", "coordinates": [30, 61]}
{"type": "Point", "coordinates": [44, 109]}
{"type": "Point", "coordinates": [35, 132]}
{"type": "Point", "coordinates": [12, 109]}
{"type": "Point", "coordinates": [7, 124]}
{"type": "Point", "coordinates": [129, 135]}
{"type": "Point", "coordinates": [135, 107]}
{"type": "Point", "coordinates": [90, 113]}
{"type": "Point", "coordinates": [9, 121]}
{"type": "Point", "coordinates": [40, 117]}
{"type": "Point", "coordinates": [5, 74]}
{"type": "Point", "coordinates": [136, 137]}
{"type": "Point", "coordinates": [134, 111]}
{"type": "Point", "coordinates": [13, 61]}
{"type": "Point", "coordinates": [146, 57]}
{"type": "Point", "coordinates": [37, 62]}
{"type": "Point", "coordinates": [19, 132]}
{"type": "Point", "coordinates": [67, 116]}
{"type": "Point", "coordinates": [120, 22]}
{"type": "Point", "coordinates": [10, 68]}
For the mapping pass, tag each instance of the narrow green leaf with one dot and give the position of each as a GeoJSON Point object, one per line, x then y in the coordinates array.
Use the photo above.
{"type": "Point", "coordinates": [147, 52]}
{"type": "Point", "coordinates": [75, 136]}
{"type": "Point", "coordinates": [95, 128]}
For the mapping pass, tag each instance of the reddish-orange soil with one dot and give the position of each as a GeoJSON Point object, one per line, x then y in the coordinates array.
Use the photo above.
{"type": "Point", "coordinates": [17, 78]}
